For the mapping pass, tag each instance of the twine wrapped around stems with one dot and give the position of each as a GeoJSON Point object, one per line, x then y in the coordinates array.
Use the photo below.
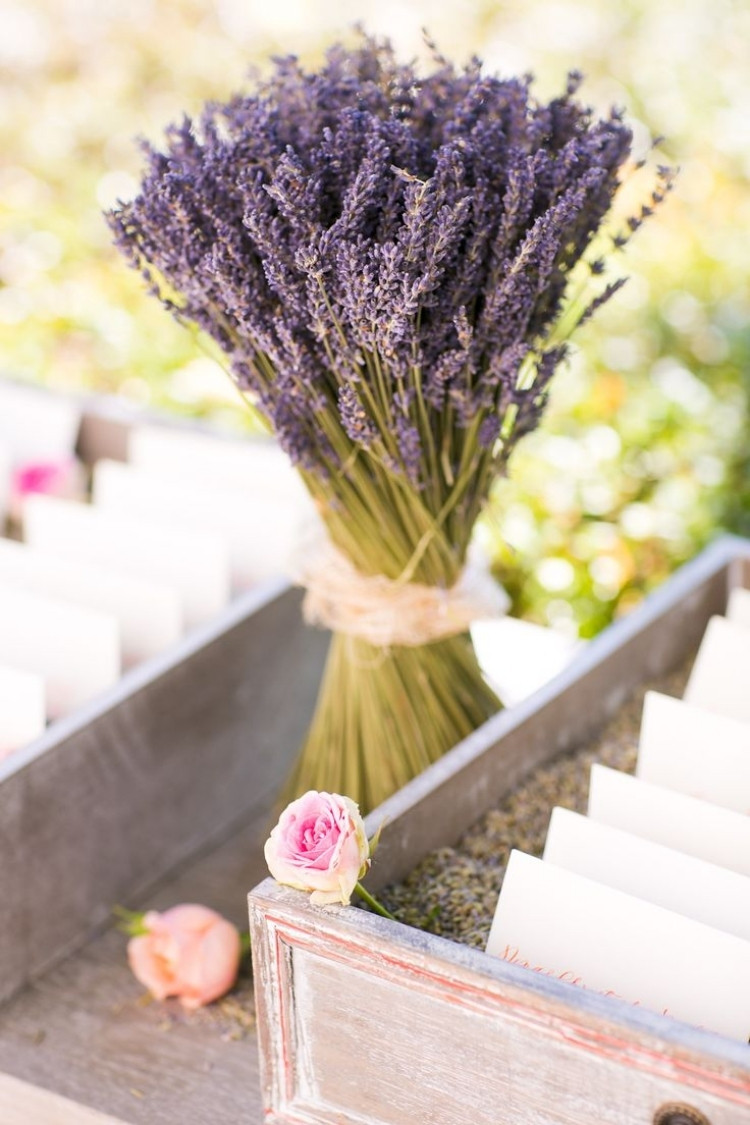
{"type": "Point", "coordinates": [387, 612]}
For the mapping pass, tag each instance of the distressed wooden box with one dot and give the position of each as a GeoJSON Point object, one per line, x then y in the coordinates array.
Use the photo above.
{"type": "Point", "coordinates": [186, 747]}
{"type": "Point", "coordinates": [367, 1021]}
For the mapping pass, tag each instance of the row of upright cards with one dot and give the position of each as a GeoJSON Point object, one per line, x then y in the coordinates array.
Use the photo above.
{"type": "Point", "coordinates": [169, 538]}
{"type": "Point", "coordinates": [647, 898]}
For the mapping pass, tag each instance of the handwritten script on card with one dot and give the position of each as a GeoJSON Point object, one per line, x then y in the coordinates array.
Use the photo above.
{"type": "Point", "coordinates": [583, 932]}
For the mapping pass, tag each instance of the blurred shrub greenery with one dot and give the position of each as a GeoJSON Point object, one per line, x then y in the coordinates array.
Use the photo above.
{"type": "Point", "coordinates": [644, 455]}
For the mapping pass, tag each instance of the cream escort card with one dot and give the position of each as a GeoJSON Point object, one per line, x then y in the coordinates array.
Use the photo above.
{"type": "Point", "coordinates": [720, 678]}
{"type": "Point", "coordinates": [259, 530]}
{"type": "Point", "coordinates": [195, 564]}
{"type": "Point", "coordinates": [664, 876]}
{"type": "Point", "coordinates": [695, 751]}
{"type": "Point", "coordinates": [76, 650]}
{"type": "Point", "coordinates": [149, 615]}
{"type": "Point", "coordinates": [738, 606]}
{"type": "Point", "coordinates": [667, 817]}
{"type": "Point", "coordinates": [256, 466]}
{"type": "Point", "coordinates": [566, 926]}
{"type": "Point", "coordinates": [36, 425]}
{"type": "Point", "coordinates": [22, 708]}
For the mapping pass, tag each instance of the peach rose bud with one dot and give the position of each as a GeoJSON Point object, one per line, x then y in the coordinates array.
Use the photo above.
{"type": "Point", "coordinates": [188, 951]}
{"type": "Point", "coordinates": [319, 845]}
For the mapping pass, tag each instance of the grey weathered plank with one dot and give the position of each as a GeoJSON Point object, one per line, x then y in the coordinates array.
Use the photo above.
{"type": "Point", "coordinates": [185, 747]}
{"type": "Point", "coordinates": [105, 428]}
{"type": "Point", "coordinates": [82, 1033]}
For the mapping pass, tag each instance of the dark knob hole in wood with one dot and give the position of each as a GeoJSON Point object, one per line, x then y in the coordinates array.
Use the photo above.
{"type": "Point", "coordinates": [679, 1115]}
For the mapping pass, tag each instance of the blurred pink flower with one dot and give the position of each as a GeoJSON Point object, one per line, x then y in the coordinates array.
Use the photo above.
{"type": "Point", "coordinates": [188, 951]}
{"type": "Point", "coordinates": [40, 476]}
{"type": "Point", "coordinates": [63, 477]}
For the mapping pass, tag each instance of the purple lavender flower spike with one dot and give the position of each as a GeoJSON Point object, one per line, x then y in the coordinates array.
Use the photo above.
{"type": "Point", "coordinates": [365, 228]}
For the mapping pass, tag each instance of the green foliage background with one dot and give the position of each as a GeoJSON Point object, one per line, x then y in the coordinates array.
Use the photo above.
{"type": "Point", "coordinates": [644, 453]}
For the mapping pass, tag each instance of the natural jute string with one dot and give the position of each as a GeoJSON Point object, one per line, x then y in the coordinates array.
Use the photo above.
{"type": "Point", "coordinates": [388, 612]}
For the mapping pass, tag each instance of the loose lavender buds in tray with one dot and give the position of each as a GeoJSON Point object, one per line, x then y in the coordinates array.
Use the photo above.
{"type": "Point", "coordinates": [454, 891]}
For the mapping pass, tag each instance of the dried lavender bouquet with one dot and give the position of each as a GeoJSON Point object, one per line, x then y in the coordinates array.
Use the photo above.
{"type": "Point", "coordinates": [385, 260]}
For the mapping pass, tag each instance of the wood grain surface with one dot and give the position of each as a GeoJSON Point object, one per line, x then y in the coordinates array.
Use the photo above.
{"type": "Point", "coordinates": [187, 746]}
{"type": "Point", "coordinates": [372, 1022]}
{"type": "Point", "coordinates": [82, 1035]}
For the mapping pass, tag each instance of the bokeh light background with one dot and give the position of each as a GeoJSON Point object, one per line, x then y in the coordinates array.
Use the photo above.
{"type": "Point", "coordinates": [644, 453]}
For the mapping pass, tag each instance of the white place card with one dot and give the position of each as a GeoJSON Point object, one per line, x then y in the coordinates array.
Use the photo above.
{"type": "Point", "coordinates": [22, 709]}
{"type": "Point", "coordinates": [720, 678]}
{"type": "Point", "coordinates": [666, 877]}
{"type": "Point", "coordinates": [36, 424]}
{"type": "Point", "coordinates": [195, 564]}
{"type": "Point", "coordinates": [695, 751]}
{"type": "Point", "coordinates": [76, 650]}
{"type": "Point", "coordinates": [260, 531]}
{"type": "Point", "coordinates": [738, 606]}
{"type": "Point", "coordinates": [254, 465]}
{"type": "Point", "coordinates": [688, 824]}
{"type": "Point", "coordinates": [518, 657]}
{"type": "Point", "coordinates": [562, 925]}
{"type": "Point", "coordinates": [149, 614]}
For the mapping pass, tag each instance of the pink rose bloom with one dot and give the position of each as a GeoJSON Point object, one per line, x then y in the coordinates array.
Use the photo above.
{"type": "Point", "coordinates": [319, 845]}
{"type": "Point", "coordinates": [188, 951]}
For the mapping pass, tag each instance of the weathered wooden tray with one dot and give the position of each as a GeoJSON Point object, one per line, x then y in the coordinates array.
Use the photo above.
{"type": "Point", "coordinates": [367, 1021]}
{"type": "Point", "coordinates": [186, 747]}
{"type": "Point", "coordinates": [81, 1046]}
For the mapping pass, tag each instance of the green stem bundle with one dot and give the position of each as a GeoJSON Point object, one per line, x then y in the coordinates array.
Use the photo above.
{"type": "Point", "coordinates": [384, 715]}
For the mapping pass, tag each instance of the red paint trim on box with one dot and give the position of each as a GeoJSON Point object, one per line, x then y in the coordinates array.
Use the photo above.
{"type": "Point", "coordinates": [609, 1047]}
{"type": "Point", "coordinates": [599, 1044]}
